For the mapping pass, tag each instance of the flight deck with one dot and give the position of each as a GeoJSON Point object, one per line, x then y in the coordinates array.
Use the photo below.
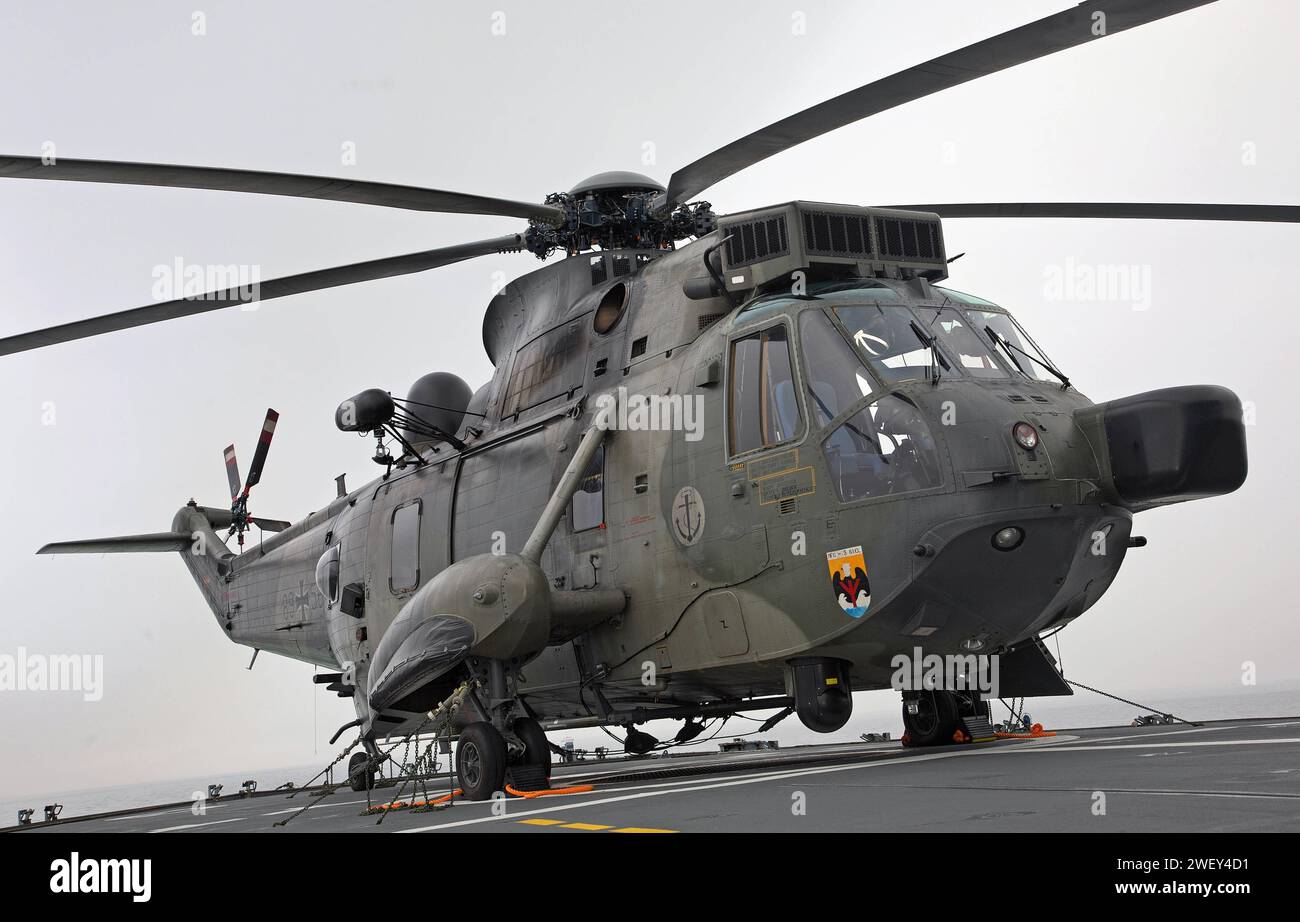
{"type": "Point", "coordinates": [1222, 776]}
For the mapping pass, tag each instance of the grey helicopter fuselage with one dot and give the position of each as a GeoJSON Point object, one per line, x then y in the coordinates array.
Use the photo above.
{"type": "Point", "coordinates": [775, 530]}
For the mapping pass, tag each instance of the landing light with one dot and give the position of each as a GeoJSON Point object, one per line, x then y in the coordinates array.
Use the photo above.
{"type": "Point", "coordinates": [1009, 538]}
{"type": "Point", "coordinates": [1026, 436]}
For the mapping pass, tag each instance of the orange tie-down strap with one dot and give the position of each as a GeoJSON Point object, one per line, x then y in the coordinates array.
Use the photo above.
{"type": "Point", "coordinates": [528, 795]}
{"type": "Point", "coordinates": [1035, 732]}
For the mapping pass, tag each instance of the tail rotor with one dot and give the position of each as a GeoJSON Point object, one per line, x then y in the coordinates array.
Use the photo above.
{"type": "Point", "coordinates": [239, 517]}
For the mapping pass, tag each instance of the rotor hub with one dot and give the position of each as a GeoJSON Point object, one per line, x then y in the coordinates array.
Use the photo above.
{"type": "Point", "coordinates": [616, 210]}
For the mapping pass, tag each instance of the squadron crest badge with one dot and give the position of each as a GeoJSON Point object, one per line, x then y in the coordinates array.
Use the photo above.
{"type": "Point", "coordinates": [848, 569]}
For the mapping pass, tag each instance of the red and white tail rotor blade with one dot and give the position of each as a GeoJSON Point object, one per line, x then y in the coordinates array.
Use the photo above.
{"type": "Point", "coordinates": [232, 473]}
{"type": "Point", "coordinates": [263, 446]}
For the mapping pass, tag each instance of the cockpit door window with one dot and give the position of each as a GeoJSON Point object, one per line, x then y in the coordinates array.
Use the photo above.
{"type": "Point", "coordinates": [762, 399]}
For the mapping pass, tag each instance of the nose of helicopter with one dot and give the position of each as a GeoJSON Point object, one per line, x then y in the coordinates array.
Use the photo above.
{"type": "Point", "coordinates": [993, 579]}
{"type": "Point", "coordinates": [979, 581]}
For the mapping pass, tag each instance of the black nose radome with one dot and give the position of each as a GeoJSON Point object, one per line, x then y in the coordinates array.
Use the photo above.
{"type": "Point", "coordinates": [1174, 444]}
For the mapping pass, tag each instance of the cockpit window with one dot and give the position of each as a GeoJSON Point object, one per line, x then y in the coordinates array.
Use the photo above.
{"type": "Point", "coordinates": [884, 449]}
{"type": "Point", "coordinates": [1010, 332]}
{"type": "Point", "coordinates": [762, 403]}
{"type": "Point", "coordinates": [972, 351]}
{"type": "Point", "coordinates": [836, 377]}
{"type": "Point", "coordinates": [884, 334]}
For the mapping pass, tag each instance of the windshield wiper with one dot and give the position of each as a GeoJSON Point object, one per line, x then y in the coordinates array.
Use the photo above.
{"type": "Point", "coordinates": [998, 341]}
{"type": "Point", "coordinates": [936, 357]}
{"type": "Point", "coordinates": [1008, 347]}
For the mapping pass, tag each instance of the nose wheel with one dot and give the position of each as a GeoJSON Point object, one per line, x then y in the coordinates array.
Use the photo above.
{"type": "Point", "coordinates": [930, 718]}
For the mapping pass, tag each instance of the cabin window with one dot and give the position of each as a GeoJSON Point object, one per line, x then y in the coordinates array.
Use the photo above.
{"type": "Point", "coordinates": [588, 508]}
{"type": "Point", "coordinates": [550, 366]}
{"type": "Point", "coordinates": [327, 574]}
{"type": "Point", "coordinates": [762, 401]}
{"type": "Point", "coordinates": [405, 555]}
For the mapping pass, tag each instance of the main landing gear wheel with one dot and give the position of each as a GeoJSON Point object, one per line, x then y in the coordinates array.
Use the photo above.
{"type": "Point", "coordinates": [935, 721]}
{"type": "Point", "coordinates": [536, 751]}
{"type": "Point", "coordinates": [361, 777]}
{"type": "Point", "coordinates": [481, 761]}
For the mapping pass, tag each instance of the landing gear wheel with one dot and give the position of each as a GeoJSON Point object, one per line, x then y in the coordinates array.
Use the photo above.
{"type": "Point", "coordinates": [361, 777]}
{"type": "Point", "coordinates": [481, 761]}
{"type": "Point", "coordinates": [536, 750]}
{"type": "Point", "coordinates": [935, 720]}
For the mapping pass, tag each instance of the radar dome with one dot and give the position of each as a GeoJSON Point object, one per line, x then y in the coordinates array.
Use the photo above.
{"type": "Point", "coordinates": [438, 399]}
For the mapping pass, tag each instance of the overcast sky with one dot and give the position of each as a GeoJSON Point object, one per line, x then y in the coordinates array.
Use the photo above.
{"type": "Point", "coordinates": [1198, 108]}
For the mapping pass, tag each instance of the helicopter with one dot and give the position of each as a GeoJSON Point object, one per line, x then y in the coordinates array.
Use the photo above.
{"type": "Point", "coordinates": [725, 463]}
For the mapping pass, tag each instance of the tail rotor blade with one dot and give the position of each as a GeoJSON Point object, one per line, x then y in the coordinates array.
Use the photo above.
{"type": "Point", "coordinates": [269, 524]}
{"type": "Point", "coordinates": [232, 473]}
{"type": "Point", "coordinates": [263, 446]}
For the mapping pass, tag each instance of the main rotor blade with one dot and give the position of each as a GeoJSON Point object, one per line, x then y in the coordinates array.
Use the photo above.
{"type": "Point", "coordinates": [1160, 211]}
{"type": "Point", "coordinates": [361, 192]}
{"type": "Point", "coordinates": [264, 291]}
{"type": "Point", "coordinates": [1035, 40]}
{"type": "Point", "coordinates": [232, 472]}
{"type": "Point", "coordinates": [263, 446]}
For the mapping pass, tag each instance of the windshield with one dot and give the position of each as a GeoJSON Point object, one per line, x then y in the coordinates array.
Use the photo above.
{"type": "Point", "coordinates": [884, 333]}
{"type": "Point", "coordinates": [836, 376]}
{"type": "Point", "coordinates": [974, 356]}
{"type": "Point", "coordinates": [1010, 332]}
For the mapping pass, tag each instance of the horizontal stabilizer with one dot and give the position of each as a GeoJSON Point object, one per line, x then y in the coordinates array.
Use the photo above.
{"type": "Point", "coordinates": [124, 544]}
